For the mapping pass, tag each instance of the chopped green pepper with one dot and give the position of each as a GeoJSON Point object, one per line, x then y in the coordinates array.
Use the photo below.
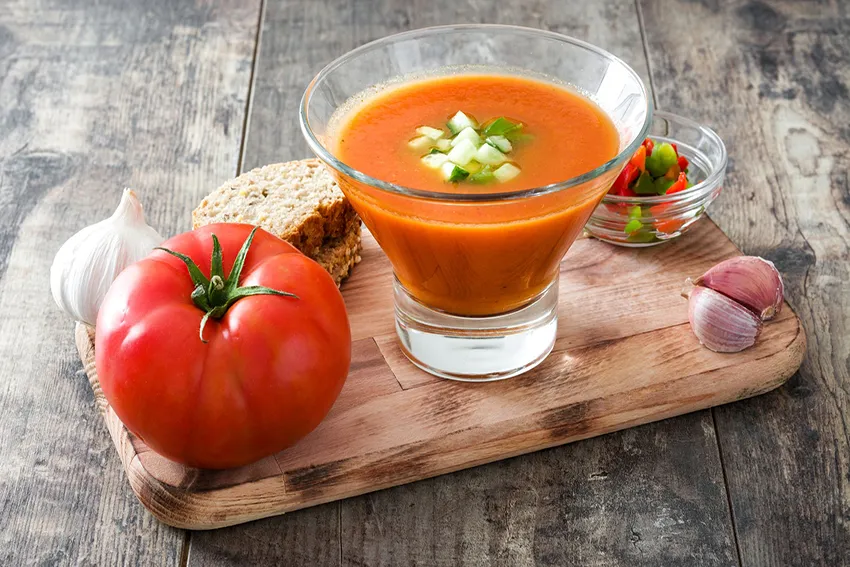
{"type": "Point", "coordinates": [663, 157]}
{"type": "Point", "coordinates": [641, 237]}
{"type": "Point", "coordinates": [662, 184]}
{"type": "Point", "coordinates": [633, 225]}
{"type": "Point", "coordinates": [645, 185]}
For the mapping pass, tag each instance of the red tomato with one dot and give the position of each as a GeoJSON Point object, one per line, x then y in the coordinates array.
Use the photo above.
{"type": "Point", "coordinates": [270, 369]}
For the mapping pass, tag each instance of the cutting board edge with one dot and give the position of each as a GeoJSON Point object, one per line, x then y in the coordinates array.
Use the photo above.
{"type": "Point", "coordinates": [211, 509]}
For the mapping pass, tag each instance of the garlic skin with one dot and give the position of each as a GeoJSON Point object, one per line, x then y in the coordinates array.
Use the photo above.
{"type": "Point", "coordinates": [721, 324]}
{"type": "Point", "coordinates": [749, 280]}
{"type": "Point", "coordinates": [87, 264]}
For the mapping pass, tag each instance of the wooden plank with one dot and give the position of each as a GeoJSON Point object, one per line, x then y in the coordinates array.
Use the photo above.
{"type": "Point", "coordinates": [772, 77]}
{"type": "Point", "coordinates": [623, 499]}
{"type": "Point", "coordinates": [297, 40]}
{"type": "Point", "coordinates": [306, 538]}
{"type": "Point", "coordinates": [95, 96]}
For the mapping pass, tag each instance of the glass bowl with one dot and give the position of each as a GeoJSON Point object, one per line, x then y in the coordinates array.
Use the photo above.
{"type": "Point", "coordinates": [476, 273]}
{"type": "Point", "coordinates": [665, 217]}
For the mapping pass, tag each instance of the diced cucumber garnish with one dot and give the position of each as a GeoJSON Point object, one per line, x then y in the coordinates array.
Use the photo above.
{"type": "Point", "coordinates": [432, 133]}
{"type": "Point", "coordinates": [500, 142]}
{"type": "Point", "coordinates": [453, 173]}
{"type": "Point", "coordinates": [466, 134]}
{"type": "Point", "coordinates": [460, 121]}
{"type": "Point", "coordinates": [506, 172]}
{"type": "Point", "coordinates": [500, 127]}
{"type": "Point", "coordinates": [489, 155]}
{"type": "Point", "coordinates": [484, 175]}
{"type": "Point", "coordinates": [470, 152]}
{"type": "Point", "coordinates": [421, 143]}
{"type": "Point", "coordinates": [434, 161]}
{"type": "Point", "coordinates": [463, 152]}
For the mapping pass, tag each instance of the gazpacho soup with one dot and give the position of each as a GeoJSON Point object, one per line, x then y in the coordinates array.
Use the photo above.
{"type": "Point", "coordinates": [467, 137]}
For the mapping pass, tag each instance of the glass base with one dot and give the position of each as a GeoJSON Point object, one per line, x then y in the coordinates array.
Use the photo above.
{"type": "Point", "coordinates": [476, 349]}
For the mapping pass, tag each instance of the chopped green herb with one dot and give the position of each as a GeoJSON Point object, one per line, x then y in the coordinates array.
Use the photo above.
{"type": "Point", "coordinates": [484, 175]}
{"type": "Point", "coordinates": [501, 126]}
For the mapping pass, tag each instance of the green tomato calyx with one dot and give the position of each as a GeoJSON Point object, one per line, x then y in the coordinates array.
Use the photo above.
{"type": "Point", "coordinates": [215, 295]}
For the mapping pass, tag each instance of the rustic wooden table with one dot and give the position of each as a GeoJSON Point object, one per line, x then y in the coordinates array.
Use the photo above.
{"type": "Point", "coordinates": [172, 97]}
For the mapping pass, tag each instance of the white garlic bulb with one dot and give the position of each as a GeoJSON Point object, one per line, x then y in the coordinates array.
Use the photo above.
{"type": "Point", "coordinates": [88, 263]}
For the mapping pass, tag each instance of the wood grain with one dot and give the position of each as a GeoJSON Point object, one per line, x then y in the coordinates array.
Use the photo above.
{"type": "Point", "coordinates": [380, 435]}
{"type": "Point", "coordinates": [773, 79]}
{"type": "Point", "coordinates": [95, 96]}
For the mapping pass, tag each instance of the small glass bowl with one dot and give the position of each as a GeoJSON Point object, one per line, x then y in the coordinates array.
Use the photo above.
{"type": "Point", "coordinates": [664, 217]}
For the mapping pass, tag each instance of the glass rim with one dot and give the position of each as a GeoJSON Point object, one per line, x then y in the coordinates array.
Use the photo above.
{"type": "Point", "coordinates": [706, 185]}
{"type": "Point", "coordinates": [322, 152]}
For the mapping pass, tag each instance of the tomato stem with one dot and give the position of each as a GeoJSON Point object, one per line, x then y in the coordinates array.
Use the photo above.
{"type": "Point", "coordinates": [215, 295]}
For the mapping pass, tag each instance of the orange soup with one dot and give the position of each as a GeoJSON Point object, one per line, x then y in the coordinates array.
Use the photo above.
{"type": "Point", "coordinates": [475, 134]}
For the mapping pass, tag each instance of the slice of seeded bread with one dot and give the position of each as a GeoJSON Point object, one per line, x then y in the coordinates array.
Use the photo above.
{"type": "Point", "coordinates": [299, 202]}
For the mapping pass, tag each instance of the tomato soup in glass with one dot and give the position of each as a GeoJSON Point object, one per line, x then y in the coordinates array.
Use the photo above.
{"type": "Point", "coordinates": [475, 154]}
{"type": "Point", "coordinates": [468, 136]}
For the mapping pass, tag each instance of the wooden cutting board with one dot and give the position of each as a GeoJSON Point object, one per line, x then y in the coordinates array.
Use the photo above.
{"type": "Point", "coordinates": [624, 356]}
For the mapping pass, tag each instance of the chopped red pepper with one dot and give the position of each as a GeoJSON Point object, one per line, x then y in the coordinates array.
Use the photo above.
{"type": "Point", "coordinates": [648, 144]}
{"type": "Point", "coordinates": [675, 147]}
{"type": "Point", "coordinates": [669, 226]}
{"type": "Point", "coordinates": [626, 177]}
{"type": "Point", "coordinates": [628, 192]}
{"type": "Point", "coordinates": [680, 184]}
{"type": "Point", "coordinates": [639, 159]}
{"type": "Point", "coordinates": [673, 172]}
{"type": "Point", "coordinates": [683, 163]}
